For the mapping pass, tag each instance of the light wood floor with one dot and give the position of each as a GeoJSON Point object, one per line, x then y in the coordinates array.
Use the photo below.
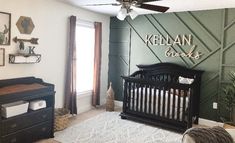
{"type": "Point", "coordinates": [81, 117]}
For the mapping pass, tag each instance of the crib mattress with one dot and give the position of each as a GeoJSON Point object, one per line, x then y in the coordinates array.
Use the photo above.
{"type": "Point", "coordinates": [159, 96]}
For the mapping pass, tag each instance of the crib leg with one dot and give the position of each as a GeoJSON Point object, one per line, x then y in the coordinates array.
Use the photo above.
{"type": "Point", "coordinates": [195, 120]}
{"type": "Point", "coordinates": [122, 117]}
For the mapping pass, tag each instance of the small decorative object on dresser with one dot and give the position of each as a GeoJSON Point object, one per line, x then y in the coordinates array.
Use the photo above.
{"type": "Point", "coordinates": [110, 98]}
{"type": "Point", "coordinates": [26, 125]}
{"type": "Point", "coordinates": [37, 104]}
{"type": "Point", "coordinates": [14, 108]}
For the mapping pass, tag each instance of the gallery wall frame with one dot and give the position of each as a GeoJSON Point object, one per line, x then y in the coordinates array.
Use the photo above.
{"type": "Point", "coordinates": [2, 57]}
{"type": "Point", "coordinates": [5, 28]}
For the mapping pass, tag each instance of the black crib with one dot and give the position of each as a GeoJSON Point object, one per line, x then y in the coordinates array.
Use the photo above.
{"type": "Point", "coordinates": [163, 94]}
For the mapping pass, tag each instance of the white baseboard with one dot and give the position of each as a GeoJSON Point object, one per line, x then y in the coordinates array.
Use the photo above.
{"type": "Point", "coordinates": [209, 123]}
{"type": "Point", "coordinates": [203, 122]}
{"type": "Point", "coordinates": [118, 103]}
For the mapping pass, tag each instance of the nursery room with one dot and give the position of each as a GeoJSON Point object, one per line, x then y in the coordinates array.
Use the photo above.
{"type": "Point", "coordinates": [117, 71]}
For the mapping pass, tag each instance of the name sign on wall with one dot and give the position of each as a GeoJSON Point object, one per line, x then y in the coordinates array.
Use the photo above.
{"type": "Point", "coordinates": [180, 40]}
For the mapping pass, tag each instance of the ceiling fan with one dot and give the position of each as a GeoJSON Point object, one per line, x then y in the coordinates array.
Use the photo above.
{"type": "Point", "coordinates": [126, 7]}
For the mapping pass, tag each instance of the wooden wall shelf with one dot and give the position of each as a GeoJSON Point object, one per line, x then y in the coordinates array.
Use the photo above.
{"type": "Point", "coordinates": [24, 59]}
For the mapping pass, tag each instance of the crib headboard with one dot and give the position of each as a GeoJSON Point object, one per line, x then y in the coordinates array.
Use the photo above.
{"type": "Point", "coordinates": [169, 72]}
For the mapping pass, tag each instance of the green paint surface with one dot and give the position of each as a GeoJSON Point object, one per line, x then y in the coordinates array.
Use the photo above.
{"type": "Point", "coordinates": [212, 38]}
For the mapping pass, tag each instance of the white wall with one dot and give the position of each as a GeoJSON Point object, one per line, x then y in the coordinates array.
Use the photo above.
{"type": "Point", "coordinates": [50, 18]}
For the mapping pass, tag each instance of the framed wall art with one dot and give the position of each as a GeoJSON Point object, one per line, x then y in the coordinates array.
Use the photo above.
{"type": "Point", "coordinates": [2, 57]}
{"type": "Point", "coordinates": [5, 28]}
{"type": "Point", "coordinates": [25, 25]}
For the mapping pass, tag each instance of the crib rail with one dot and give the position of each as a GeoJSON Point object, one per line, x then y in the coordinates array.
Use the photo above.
{"type": "Point", "coordinates": [159, 100]}
{"type": "Point", "coordinates": [153, 94]}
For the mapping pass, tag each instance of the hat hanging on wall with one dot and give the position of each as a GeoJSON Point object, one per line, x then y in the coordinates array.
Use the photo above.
{"type": "Point", "coordinates": [25, 25]}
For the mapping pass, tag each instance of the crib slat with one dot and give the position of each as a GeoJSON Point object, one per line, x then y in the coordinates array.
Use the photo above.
{"type": "Point", "coordinates": [137, 98]}
{"type": "Point", "coordinates": [141, 99]}
{"type": "Point", "coordinates": [125, 97]}
{"type": "Point", "coordinates": [129, 96]}
{"type": "Point", "coordinates": [150, 99]}
{"type": "Point", "coordinates": [145, 99]}
{"type": "Point", "coordinates": [164, 102]}
{"type": "Point", "coordinates": [133, 96]}
{"type": "Point", "coordinates": [178, 105]}
{"type": "Point", "coordinates": [173, 105]}
{"type": "Point", "coordinates": [168, 103]}
{"type": "Point", "coordinates": [154, 101]}
{"type": "Point", "coordinates": [159, 102]}
{"type": "Point", "coordinates": [184, 104]}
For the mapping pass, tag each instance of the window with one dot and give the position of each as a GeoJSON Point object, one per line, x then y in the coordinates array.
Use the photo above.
{"type": "Point", "coordinates": [85, 41]}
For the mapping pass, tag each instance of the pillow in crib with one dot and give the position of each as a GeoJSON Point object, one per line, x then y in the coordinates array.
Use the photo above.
{"type": "Point", "coordinates": [185, 80]}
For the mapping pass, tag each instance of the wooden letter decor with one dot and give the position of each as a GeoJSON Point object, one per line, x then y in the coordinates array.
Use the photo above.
{"type": "Point", "coordinates": [180, 40]}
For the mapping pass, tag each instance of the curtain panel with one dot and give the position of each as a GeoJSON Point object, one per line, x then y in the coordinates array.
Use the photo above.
{"type": "Point", "coordinates": [70, 83]}
{"type": "Point", "coordinates": [97, 64]}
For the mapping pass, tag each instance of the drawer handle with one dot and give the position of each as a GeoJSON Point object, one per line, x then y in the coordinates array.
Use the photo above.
{"type": "Point", "coordinates": [13, 140]}
{"type": "Point", "coordinates": [13, 125]}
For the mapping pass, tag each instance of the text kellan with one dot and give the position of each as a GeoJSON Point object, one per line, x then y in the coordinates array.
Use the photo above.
{"type": "Point", "coordinates": [167, 40]}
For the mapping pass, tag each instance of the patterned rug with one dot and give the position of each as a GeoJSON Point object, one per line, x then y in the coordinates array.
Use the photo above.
{"type": "Point", "coordinates": [108, 127]}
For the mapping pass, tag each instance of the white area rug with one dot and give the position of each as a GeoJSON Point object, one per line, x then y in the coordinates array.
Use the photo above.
{"type": "Point", "coordinates": [108, 127]}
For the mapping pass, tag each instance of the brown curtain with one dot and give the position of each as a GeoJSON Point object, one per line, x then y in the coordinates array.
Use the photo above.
{"type": "Point", "coordinates": [70, 85]}
{"type": "Point", "coordinates": [97, 64]}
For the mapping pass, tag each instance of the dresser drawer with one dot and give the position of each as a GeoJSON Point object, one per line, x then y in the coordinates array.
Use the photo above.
{"type": "Point", "coordinates": [20, 122]}
{"type": "Point", "coordinates": [29, 135]}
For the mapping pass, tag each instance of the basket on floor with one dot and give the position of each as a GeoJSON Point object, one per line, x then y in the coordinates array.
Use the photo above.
{"type": "Point", "coordinates": [61, 119]}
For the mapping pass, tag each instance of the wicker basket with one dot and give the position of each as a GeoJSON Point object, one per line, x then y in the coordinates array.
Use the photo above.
{"type": "Point", "coordinates": [61, 119]}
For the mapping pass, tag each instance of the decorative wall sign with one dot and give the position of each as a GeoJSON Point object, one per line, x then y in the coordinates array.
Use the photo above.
{"type": "Point", "coordinates": [25, 25]}
{"type": "Point", "coordinates": [181, 40]}
{"type": "Point", "coordinates": [2, 57]}
{"type": "Point", "coordinates": [32, 40]}
{"type": "Point", "coordinates": [5, 28]}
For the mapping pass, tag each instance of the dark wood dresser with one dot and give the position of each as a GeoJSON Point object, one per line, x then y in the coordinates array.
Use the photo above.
{"type": "Point", "coordinates": [34, 124]}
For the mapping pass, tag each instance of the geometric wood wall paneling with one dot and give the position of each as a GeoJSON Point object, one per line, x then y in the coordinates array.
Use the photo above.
{"type": "Point", "coordinates": [119, 58]}
{"type": "Point", "coordinates": [225, 47]}
{"type": "Point", "coordinates": [214, 36]}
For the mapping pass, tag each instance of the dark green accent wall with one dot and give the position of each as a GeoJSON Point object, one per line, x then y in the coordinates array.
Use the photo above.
{"type": "Point", "coordinates": [213, 32]}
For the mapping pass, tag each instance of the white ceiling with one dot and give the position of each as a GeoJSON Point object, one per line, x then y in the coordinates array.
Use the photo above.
{"type": "Point", "coordinates": [175, 5]}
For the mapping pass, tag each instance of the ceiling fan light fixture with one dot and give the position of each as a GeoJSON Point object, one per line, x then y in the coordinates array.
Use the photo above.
{"type": "Point", "coordinates": [122, 14]}
{"type": "Point", "coordinates": [133, 14]}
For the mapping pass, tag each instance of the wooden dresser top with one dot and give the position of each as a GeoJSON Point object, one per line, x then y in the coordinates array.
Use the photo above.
{"type": "Point", "coordinates": [20, 88]}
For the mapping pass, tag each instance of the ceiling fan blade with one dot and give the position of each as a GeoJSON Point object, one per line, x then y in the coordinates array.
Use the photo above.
{"type": "Point", "coordinates": [113, 4]}
{"type": "Point", "coordinates": [154, 7]}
